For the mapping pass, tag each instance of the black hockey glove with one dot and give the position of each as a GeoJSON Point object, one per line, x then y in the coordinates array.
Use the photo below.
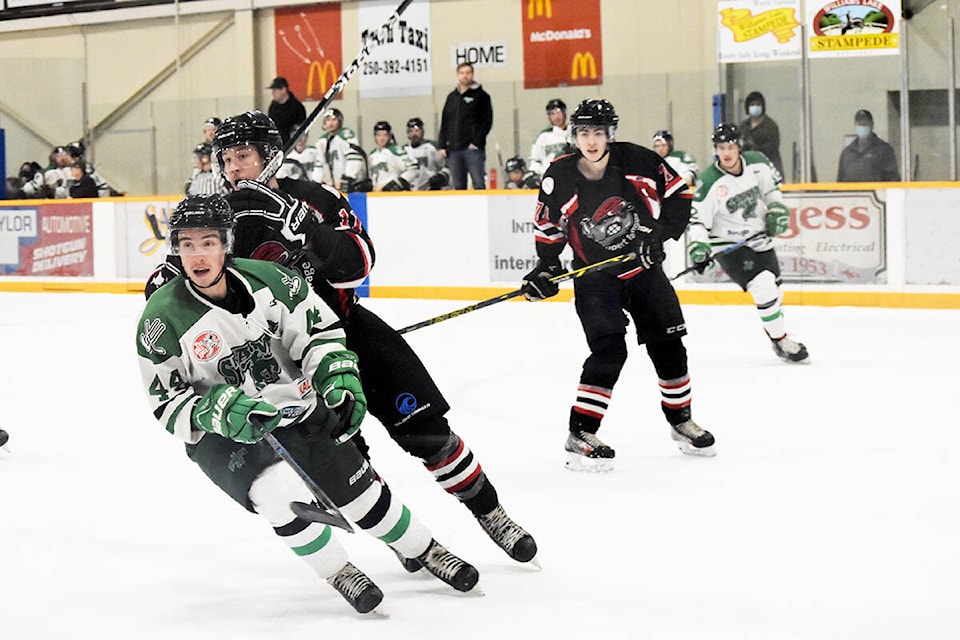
{"type": "Point", "coordinates": [437, 181]}
{"type": "Point", "coordinates": [397, 184]}
{"type": "Point", "coordinates": [650, 253]}
{"type": "Point", "coordinates": [537, 285]}
{"type": "Point", "coordinates": [255, 196]}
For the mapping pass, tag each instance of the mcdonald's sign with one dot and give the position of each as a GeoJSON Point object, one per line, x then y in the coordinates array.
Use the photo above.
{"type": "Point", "coordinates": [539, 8]}
{"type": "Point", "coordinates": [308, 45]}
{"type": "Point", "coordinates": [316, 69]}
{"type": "Point", "coordinates": [584, 66]}
{"type": "Point", "coordinates": [562, 43]}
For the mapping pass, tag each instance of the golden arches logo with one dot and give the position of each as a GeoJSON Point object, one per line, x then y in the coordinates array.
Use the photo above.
{"type": "Point", "coordinates": [584, 64]}
{"type": "Point", "coordinates": [321, 71]}
{"type": "Point", "coordinates": [539, 8]}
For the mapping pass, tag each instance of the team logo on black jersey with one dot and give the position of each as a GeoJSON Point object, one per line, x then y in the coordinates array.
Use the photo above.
{"type": "Point", "coordinates": [613, 225]}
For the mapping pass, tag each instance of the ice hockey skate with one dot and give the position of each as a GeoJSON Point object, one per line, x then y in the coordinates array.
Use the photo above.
{"type": "Point", "coordinates": [587, 452]}
{"type": "Point", "coordinates": [411, 565]}
{"type": "Point", "coordinates": [693, 440]}
{"type": "Point", "coordinates": [509, 536]}
{"type": "Point", "coordinates": [790, 350]}
{"type": "Point", "coordinates": [356, 588]}
{"type": "Point", "coordinates": [457, 573]}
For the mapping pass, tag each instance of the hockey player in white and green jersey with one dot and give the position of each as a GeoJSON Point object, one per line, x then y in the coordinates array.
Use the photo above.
{"type": "Point", "coordinates": [681, 161]}
{"type": "Point", "coordinates": [233, 349]}
{"type": "Point", "coordinates": [391, 169]}
{"type": "Point", "coordinates": [739, 197]}
{"type": "Point", "coordinates": [552, 142]}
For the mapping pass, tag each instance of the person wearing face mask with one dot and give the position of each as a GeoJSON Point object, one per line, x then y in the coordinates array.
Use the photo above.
{"type": "Point", "coordinates": [868, 158]}
{"type": "Point", "coordinates": [759, 131]}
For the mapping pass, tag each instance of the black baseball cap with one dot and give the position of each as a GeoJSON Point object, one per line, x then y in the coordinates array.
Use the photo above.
{"type": "Point", "coordinates": [279, 83]}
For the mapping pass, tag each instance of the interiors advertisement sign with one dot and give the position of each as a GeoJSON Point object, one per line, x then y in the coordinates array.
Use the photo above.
{"type": "Point", "coordinates": [833, 237]}
{"type": "Point", "coordinates": [47, 240]}
{"type": "Point", "coordinates": [562, 44]}
{"type": "Point", "coordinates": [512, 250]}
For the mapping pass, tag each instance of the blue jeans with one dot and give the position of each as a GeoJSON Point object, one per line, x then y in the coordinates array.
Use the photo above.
{"type": "Point", "coordinates": [464, 161]}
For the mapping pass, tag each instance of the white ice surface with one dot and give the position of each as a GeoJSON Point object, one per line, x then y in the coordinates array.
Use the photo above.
{"type": "Point", "coordinates": [831, 510]}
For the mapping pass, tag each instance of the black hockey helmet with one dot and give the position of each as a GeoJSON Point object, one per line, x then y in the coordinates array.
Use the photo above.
{"type": "Point", "coordinates": [556, 103]}
{"type": "Point", "coordinates": [415, 123]}
{"type": "Point", "coordinates": [212, 121]}
{"type": "Point", "coordinates": [75, 149]}
{"type": "Point", "coordinates": [515, 164]}
{"type": "Point", "coordinates": [594, 113]}
{"type": "Point", "coordinates": [203, 149]}
{"type": "Point", "coordinates": [382, 125]}
{"type": "Point", "coordinates": [252, 127]}
{"type": "Point", "coordinates": [208, 211]}
{"type": "Point", "coordinates": [725, 132]}
{"type": "Point", "coordinates": [664, 135]}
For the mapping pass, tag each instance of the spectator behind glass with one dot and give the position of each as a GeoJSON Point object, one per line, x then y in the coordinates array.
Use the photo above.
{"type": "Point", "coordinates": [285, 109]}
{"type": "Point", "coordinates": [759, 131]}
{"type": "Point", "coordinates": [83, 185]}
{"type": "Point", "coordinates": [868, 158]}
{"type": "Point", "coordinates": [467, 119]}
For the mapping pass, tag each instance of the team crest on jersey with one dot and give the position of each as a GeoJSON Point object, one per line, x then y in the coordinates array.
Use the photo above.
{"type": "Point", "coordinates": [547, 185]}
{"type": "Point", "coordinates": [613, 225]}
{"type": "Point", "coordinates": [152, 330]}
{"type": "Point", "coordinates": [207, 345]}
{"type": "Point", "coordinates": [293, 283]}
{"type": "Point", "coordinates": [271, 251]}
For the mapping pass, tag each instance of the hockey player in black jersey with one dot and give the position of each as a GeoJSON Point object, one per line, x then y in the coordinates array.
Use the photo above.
{"type": "Point", "coordinates": [312, 229]}
{"type": "Point", "coordinates": [605, 199]}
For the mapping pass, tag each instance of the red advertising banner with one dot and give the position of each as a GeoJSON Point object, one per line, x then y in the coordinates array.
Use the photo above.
{"type": "Point", "coordinates": [562, 44]}
{"type": "Point", "coordinates": [309, 45]}
{"type": "Point", "coordinates": [47, 240]}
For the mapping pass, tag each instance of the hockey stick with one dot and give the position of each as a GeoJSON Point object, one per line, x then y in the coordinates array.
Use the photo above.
{"type": "Point", "coordinates": [327, 512]}
{"type": "Point", "coordinates": [274, 165]}
{"type": "Point", "coordinates": [563, 277]}
{"type": "Point", "coordinates": [716, 255]}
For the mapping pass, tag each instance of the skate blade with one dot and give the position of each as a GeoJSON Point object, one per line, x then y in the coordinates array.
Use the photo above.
{"type": "Point", "coordinates": [535, 563]}
{"type": "Point", "coordinates": [576, 462]}
{"type": "Point", "coordinates": [690, 450]}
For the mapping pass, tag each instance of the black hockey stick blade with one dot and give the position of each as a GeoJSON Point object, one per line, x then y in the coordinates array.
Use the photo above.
{"type": "Point", "coordinates": [332, 516]}
{"type": "Point", "coordinates": [563, 277]}
{"type": "Point", "coordinates": [313, 512]}
{"type": "Point", "coordinates": [725, 250]}
{"type": "Point", "coordinates": [274, 165]}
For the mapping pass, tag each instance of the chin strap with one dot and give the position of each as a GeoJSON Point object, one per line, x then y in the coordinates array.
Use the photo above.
{"type": "Point", "coordinates": [223, 272]}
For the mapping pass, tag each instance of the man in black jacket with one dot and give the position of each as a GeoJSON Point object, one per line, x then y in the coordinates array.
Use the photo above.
{"type": "Point", "coordinates": [285, 110]}
{"type": "Point", "coordinates": [467, 119]}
